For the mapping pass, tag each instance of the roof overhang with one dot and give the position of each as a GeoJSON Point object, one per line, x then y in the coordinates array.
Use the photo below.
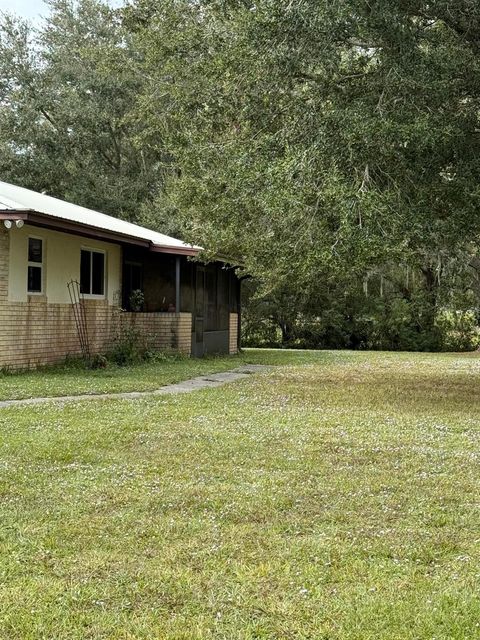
{"type": "Point", "coordinates": [37, 219]}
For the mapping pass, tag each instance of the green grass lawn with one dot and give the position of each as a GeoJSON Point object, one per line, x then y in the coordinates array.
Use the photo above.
{"type": "Point", "coordinates": [334, 497]}
{"type": "Point", "coordinates": [73, 379]}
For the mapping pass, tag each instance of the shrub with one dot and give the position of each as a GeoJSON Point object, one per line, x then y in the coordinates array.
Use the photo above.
{"type": "Point", "coordinates": [391, 323]}
{"type": "Point", "coordinates": [98, 361]}
{"type": "Point", "coordinates": [132, 346]}
{"type": "Point", "coordinates": [128, 347]}
{"type": "Point", "coordinates": [459, 329]}
{"type": "Point", "coordinates": [136, 300]}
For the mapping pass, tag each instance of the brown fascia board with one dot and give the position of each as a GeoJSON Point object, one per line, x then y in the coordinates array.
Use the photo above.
{"type": "Point", "coordinates": [10, 214]}
{"type": "Point", "coordinates": [67, 226]}
{"type": "Point", "coordinates": [181, 251]}
{"type": "Point", "coordinates": [76, 228]}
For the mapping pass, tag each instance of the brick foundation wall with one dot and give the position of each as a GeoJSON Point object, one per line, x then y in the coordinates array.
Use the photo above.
{"type": "Point", "coordinates": [37, 333]}
{"type": "Point", "coordinates": [233, 334]}
{"type": "Point", "coordinates": [162, 331]}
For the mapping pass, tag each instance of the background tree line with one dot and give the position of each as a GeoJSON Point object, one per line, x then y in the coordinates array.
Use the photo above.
{"type": "Point", "coordinates": [329, 147]}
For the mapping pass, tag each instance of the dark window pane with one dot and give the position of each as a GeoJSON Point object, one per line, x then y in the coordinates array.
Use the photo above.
{"type": "Point", "coordinates": [98, 273]}
{"type": "Point", "coordinates": [34, 250]}
{"type": "Point", "coordinates": [85, 258]}
{"type": "Point", "coordinates": [35, 279]}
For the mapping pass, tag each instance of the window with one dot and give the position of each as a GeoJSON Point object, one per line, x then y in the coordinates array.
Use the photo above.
{"type": "Point", "coordinates": [92, 272]}
{"type": "Point", "coordinates": [35, 265]}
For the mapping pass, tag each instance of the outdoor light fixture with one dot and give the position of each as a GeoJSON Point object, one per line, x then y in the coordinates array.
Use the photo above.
{"type": "Point", "coordinates": [8, 224]}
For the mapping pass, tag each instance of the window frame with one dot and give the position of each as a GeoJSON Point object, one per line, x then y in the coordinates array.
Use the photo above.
{"type": "Point", "coordinates": [94, 296]}
{"type": "Point", "coordinates": [38, 265]}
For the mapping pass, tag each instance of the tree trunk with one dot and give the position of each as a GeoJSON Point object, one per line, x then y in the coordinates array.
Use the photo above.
{"type": "Point", "coordinates": [287, 333]}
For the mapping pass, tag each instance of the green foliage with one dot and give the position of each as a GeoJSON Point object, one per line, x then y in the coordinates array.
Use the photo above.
{"type": "Point", "coordinates": [316, 138]}
{"type": "Point", "coordinates": [460, 330]}
{"type": "Point", "coordinates": [317, 142]}
{"type": "Point", "coordinates": [137, 300]}
{"type": "Point", "coordinates": [313, 142]}
{"type": "Point", "coordinates": [160, 357]}
{"type": "Point", "coordinates": [67, 93]}
{"type": "Point", "coordinates": [129, 346]}
{"type": "Point", "coordinates": [386, 314]}
{"type": "Point", "coordinates": [98, 361]}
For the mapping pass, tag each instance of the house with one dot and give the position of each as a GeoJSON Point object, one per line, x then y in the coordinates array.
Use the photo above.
{"type": "Point", "coordinates": [126, 275]}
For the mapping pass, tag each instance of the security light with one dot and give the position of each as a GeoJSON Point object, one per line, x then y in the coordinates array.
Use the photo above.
{"type": "Point", "coordinates": [7, 224]}
{"type": "Point", "coordinates": [19, 224]}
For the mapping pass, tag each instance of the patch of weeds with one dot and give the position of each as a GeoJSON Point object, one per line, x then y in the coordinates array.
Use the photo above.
{"type": "Point", "coordinates": [131, 346]}
{"type": "Point", "coordinates": [98, 361]}
{"type": "Point", "coordinates": [154, 356]}
{"type": "Point", "coordinates": [71, 363]}
{"type": "Point", "coordinates": [128, 347]}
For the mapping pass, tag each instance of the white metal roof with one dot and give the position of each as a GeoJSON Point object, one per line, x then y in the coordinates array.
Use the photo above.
{"type": "Point", "coordinates": [13, 198]}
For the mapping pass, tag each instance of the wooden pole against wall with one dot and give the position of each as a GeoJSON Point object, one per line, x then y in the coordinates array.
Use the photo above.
{"type": "Point", "coordinates": [177, 284]}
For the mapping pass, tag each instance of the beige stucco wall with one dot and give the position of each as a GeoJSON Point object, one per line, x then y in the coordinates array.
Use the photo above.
{"type": "Point", "coordinates": [61, 264]}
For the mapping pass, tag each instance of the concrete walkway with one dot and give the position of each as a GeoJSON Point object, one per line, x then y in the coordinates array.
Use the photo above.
{"type": "Point", "coordinates": [208, 381]}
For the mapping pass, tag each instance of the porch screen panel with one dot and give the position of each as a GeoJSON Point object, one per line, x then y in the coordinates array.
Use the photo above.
{"type": "Point", "coordinates": [211, 319]}
{"type": "Point", "coordinates": [223, 277]}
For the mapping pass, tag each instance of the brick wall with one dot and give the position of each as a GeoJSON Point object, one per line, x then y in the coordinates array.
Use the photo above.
{"type": "Point", "coordinates": [35, 332]}
{"type": "Point", "coordinates": [233, 334]}
{"type": "Point", "coordinates": [163, 331]}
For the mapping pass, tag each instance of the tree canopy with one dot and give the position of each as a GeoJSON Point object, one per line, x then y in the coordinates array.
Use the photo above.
{"type": "Point", "coordinates": [321, 144]}
{"type": "Point", "coordinates": [67, 93]}
{"type": "Point", "coordinates": [321, 133]}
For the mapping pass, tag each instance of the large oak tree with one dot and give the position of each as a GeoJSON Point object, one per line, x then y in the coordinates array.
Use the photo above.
{"type": "Point", "coordinates": [317, 139]}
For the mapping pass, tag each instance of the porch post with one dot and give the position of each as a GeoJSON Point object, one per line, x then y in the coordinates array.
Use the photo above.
{"type": "Point", "coordinates": [177, 284]}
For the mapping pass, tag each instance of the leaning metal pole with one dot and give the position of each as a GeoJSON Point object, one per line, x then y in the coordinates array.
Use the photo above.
{"type": "Point", "coordinates": [80, 316]}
